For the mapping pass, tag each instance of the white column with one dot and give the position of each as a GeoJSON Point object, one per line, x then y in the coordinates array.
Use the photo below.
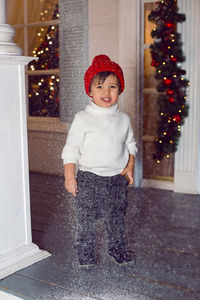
{"type": "Point", "coordinates": [187, 159]}
{"type": "Point", "coordinates": [129, 51]}
{"type": "Point", "coordinates": [2, 11]}
{"type": "Point", "coordinates": [16, 248]}
{"type": "Point", "coordinates": [6, 34]}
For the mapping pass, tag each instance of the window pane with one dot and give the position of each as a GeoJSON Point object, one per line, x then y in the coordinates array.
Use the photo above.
{"type": "Point", "coordinates": [153, 170]}
{"type": "Point", "coordinates": [44, 96]}
{"type": "Point", "coordinates": [149, 71]}
{"type": "Point", "coordinates": [150, 115]}
{"type": "Point", "coordinates": [44, 43]}
{"type": "Point", "coordinates": [148, 26]}
{"type": "Point", "coordinates": [42, 10]}
{"type": "Point", "coordinates": [15, 12]}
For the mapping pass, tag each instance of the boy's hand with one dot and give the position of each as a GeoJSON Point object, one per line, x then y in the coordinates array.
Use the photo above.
{"type": "Point", "coordinates": [129, 170]}
{"type": "Point", "coordinates": [70, 181]}
{"type": "Point", "coordinates": [71, 186]}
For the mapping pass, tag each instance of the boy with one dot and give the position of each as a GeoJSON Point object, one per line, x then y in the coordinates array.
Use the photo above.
{"type": "Point", "coordinates": [101, 143]}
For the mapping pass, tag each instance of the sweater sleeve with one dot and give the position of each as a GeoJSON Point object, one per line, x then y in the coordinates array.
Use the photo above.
{"type": "Point", "coordinates": [130, 140]}
{"type": "Point", "coordinates": [75, 137]}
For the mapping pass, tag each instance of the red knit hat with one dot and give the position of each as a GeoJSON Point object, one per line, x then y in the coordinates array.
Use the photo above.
{"type": "Point", "coordinates": [102, 63]}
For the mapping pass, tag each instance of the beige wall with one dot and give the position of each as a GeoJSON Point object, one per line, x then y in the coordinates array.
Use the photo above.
{"type": "Point", "coordinates": [104, 28]}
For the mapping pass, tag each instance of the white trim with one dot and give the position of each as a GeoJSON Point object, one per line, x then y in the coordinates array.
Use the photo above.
{"type": "Point", "coordinates": [45, 124]}
{"type": "Point", "coordinates": [20, 258]}
{"type": "Point", "coordinates": [157, 184]}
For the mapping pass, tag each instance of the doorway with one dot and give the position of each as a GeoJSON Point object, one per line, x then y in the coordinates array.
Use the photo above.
{"type": "Point", "coordinates": [162, 173]}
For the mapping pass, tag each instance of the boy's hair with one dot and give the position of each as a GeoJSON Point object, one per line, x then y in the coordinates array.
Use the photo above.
{"type": "Point", "coordinates": [101, 78]}
{"type": "Point", "coordinates": [102, 63]}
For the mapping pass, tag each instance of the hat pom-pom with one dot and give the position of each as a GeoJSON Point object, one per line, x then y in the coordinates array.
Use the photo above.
{"type": "Point", "coordinates": [100, 58]}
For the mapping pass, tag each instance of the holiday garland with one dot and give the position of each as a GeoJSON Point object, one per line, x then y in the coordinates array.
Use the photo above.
{"type": "Point", "coordinates": [167, 55]}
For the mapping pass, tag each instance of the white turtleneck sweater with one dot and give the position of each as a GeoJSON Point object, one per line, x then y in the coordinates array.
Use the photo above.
{"type": "Point", "coordinates": [100, 140]}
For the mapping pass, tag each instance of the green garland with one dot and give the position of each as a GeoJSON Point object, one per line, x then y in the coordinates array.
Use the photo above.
{"type": "Point", "coordinates": [167, 55]}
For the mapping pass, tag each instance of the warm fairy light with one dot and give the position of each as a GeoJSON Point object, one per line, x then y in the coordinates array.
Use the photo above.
{"type": "Point", "coordinates": [159, 71]}
{"type": "Point", "coordinates": [42, 29]}
{"type": "Point", "coordinates": [47, 49]}
{"type": "Point", "coordinates": [57, 79]}
{"type": "Point", "coordinates": [164, 63]}
{"type": "Point", "coordinates": [42, 80]}
{"type": "Point", "coordinates": [160, 142]}
{"type": "Point", "coordinates": [51, 88]}
{"type": "Point", "coordinates": [53, 77]}
{"type": "Point", "coordinates": [39, 83]}
{"type": "Point", "coordinates": [162, 114]}
{"type": "Point", "coordinates": [174, 76]}
{"type": "Point", "coordinates": [50, 43]}
{"type": "Point", "coordinates": [57, 15]}
{"type": "Point", "coordinates": [52, 27]}
{"type": "Point", "coordinates": [39, 34]}
{"type": "Point", "coordinates": [171, 142]}
{"type": "Point", "coordinates": [167, 156]}
{"type": "Point", "coordinates": [164, 133]}
{"type": "Point", "coordinates": [37, 94]}
{"type": "Point", "coordinates": [169, 47]}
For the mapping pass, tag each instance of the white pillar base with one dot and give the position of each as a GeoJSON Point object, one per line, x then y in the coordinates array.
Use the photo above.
{"type": "Point", "coordinates": [20, 258]}
{"type": "Point", "coordinates": [7, 47]}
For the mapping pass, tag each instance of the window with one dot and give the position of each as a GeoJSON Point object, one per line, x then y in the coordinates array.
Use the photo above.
{"type": "Point", "coordinates": [37, 32]}
{"type": "Point", "coordinates": [149, 95]}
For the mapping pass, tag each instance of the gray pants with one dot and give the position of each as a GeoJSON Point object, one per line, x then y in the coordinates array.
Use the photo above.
{"type": "Point", "coordinates": [100, 197]}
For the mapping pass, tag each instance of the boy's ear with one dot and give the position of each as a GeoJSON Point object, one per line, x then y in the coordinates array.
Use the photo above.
{"type": "Point", "coordinates": [90, 94]}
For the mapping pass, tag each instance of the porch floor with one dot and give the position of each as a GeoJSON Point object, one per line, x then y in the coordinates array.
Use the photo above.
{"type": "Point", "coordinates": [163, 229]}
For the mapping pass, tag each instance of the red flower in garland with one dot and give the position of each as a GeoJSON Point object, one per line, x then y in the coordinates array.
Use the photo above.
{"type": "Point", "coordinates": [176, 118]}
{"type": "Point", "coordinates": [169, 24]}
{"type": "Point", "coordinates": [168, 81]}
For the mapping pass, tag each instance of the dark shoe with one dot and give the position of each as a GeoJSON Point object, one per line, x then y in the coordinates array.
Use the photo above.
{"type": "Point", "coordinates": [87, 262]}
{"type": "Point", "coordinates": [120, 257]}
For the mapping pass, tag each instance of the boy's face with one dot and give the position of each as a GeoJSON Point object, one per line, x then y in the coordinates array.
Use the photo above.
{"type": "Point", "coordinates": [105, 94]}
